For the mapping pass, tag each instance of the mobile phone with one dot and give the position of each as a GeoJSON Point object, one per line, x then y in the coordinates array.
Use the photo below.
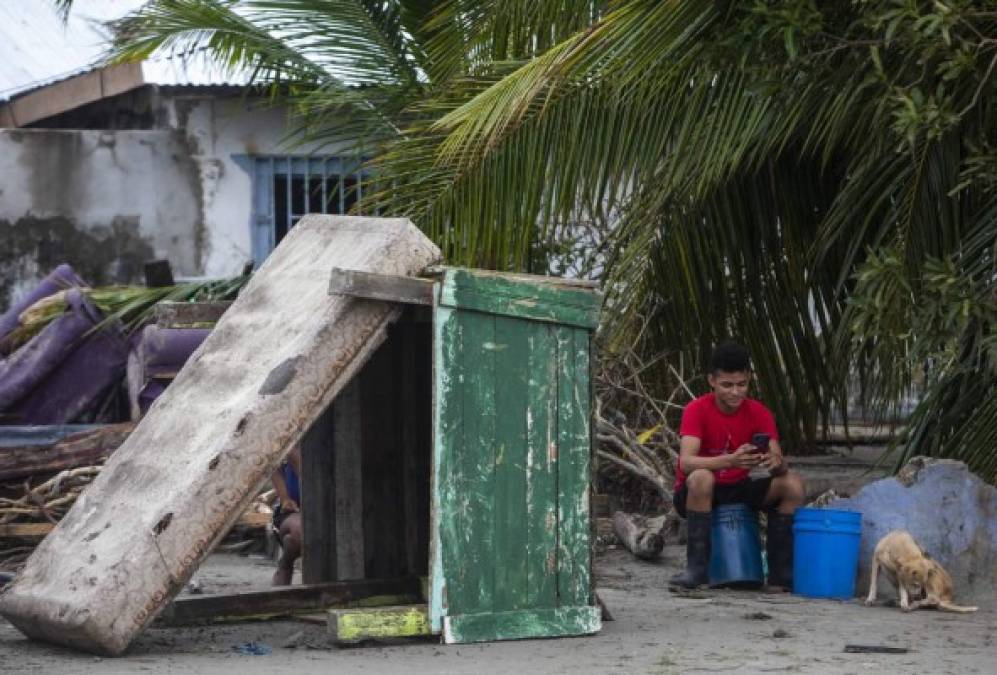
{"type": "Point", "coordinates": [760, 441]}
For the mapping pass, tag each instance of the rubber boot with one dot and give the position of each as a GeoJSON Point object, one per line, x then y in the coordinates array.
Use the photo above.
{"type": "Point", "coordinates": [779, 547]}
{"type": "Point", "coordinates": [697, 551]}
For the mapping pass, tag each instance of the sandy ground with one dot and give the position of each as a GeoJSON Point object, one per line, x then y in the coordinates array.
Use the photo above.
{"type": "Point", "coordinates": [654, 632]}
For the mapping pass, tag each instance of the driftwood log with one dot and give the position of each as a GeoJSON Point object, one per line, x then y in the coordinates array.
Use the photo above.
{"type": "Point", "coordinates": [85, 448]}
{"type": "Point", "coordinates": [641, 535]}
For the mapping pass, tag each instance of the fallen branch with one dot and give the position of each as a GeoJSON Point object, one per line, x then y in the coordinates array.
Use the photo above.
{"type": "Point", "coordinates": [635, 444]}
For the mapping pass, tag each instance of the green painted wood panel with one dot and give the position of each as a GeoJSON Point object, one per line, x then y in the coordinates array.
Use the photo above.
{"type": "Point", "coordinates": [543, 299]}
{"type": "Point", "coordinates": [448, 411]}
{"type": "Point", "coordinates": [541, 487]}
{"type": "Point", "coordinates": [574, 451]}
{"type": "Point", "coordinates": [476, 558]}
{"type": "Point", "coordinates": [530, 623]}
{"type": "Point", "coordinates": [512, 405]}
{"type": "Point", "coordinates": [511, 462]}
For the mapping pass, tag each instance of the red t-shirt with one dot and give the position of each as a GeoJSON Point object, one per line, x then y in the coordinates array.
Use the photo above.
{"type": "Point", "coordinates": [721, 434]}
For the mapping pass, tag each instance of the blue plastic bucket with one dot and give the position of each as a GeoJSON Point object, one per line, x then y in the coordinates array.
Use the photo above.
{"type": "Point", "coordinates": [826, 552]}
{"type": "Point", "coordinates": [736, 557]}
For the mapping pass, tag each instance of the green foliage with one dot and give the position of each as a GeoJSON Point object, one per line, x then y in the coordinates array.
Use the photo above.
{"type": "Point", "coordinates": [131, 307]}
{"type": "Point", "coordinates": [814, 178]}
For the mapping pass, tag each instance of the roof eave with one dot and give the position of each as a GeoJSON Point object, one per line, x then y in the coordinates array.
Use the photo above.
{"type": "Point", "coordinates": [64, 95]}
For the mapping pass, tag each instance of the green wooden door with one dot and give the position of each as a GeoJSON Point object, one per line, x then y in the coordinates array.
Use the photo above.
{"type": "Point", "coordinates": [511, 460]}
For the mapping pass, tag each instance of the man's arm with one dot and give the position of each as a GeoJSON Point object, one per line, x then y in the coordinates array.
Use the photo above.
{"type": "Point", "coordinates": [742, 458]}
{"type": "Point", "coordinates": [294, 458]}
{"type": "Point", "coordinates": [775, 462]}
{"type": "Point", "coordinates": [287, 505]}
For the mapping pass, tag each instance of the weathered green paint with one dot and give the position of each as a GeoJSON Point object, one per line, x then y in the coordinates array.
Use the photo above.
{"type": "Point", "coordinates": [447, 414]}
{"type": "Point", "coordinates": [529, 623]}
{"type": "Point", "coordinates": [542, 299]}
{"type": "Point", "coordinates": [573, 443]}
{"type": "Point", "coordinates": [510, 489]}
{"type": "Point", "coordinates": [354, 625]}
{"type": "Point", "coordinates": [511, 390]}
{"type": "Point", "coordinates": [541, 459]}
{"type": "Point", "coordinates": [476, 555]}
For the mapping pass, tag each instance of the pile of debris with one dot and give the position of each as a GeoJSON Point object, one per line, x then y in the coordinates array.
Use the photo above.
{"type": "Point", "coordinates": [43, 470]}
{"type": "Point", "coordinates": [65, 347]}
{"type": "Point", "coordinates": [78, 367]}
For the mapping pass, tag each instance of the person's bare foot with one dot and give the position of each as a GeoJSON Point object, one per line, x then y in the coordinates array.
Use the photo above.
{"type": "Point", "coordinates": [282, 577]}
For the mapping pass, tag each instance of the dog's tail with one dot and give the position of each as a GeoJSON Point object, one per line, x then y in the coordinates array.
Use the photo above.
{"type": "Point", "coordinates": [949, 607]}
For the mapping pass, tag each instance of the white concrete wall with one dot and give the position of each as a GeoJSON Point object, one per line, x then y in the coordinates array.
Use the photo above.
{"type": "Point", "coordinates": [184, 193]}
{"type": "Point", "coordinates": [219, 132]}
{"type": "Point", "coordinates": [97, 199]}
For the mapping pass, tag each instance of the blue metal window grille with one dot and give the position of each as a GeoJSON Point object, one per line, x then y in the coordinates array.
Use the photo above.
{"type": "Point", "coordinates": [286, 188]}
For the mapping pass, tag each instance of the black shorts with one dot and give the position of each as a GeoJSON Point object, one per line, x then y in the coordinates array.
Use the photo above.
{"type": "Point", "coordinates": [280, 516]}
{"type": "Point", "coordinates": [750, 491]}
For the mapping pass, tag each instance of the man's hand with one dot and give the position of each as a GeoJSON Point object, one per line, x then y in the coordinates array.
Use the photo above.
{"type": "Point", "coordinates": [775, 463]}
{"type": "Point", "coordinates": [745, 457]}
{"type": "Point", "coordinates": [289, 506]}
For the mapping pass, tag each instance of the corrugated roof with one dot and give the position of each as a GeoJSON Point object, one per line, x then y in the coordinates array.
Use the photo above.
{"type": "Point", "coordinates": [37, 48]}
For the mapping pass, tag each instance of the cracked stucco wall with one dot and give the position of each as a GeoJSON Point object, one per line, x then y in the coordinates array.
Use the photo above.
{"type": "Point", "coordinates": [108, 201]}
{"type": "Point", "coordinates": [105, 202]}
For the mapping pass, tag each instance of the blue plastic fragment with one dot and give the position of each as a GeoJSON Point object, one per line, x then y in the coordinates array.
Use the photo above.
{"type": "Point", "coordinates": [252, 649]}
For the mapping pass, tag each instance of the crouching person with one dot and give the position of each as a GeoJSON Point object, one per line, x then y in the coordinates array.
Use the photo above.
{"type": "Point", "coordinates": [287, 515]}
{"type": "Point", "coordinates": [717, 454]}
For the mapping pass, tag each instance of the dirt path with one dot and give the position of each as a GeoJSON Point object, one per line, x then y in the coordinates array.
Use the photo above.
{"type": "Point", "coordinates": [654, 632]}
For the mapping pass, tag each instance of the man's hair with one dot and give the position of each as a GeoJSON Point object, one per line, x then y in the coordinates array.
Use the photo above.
{"type": "Point", "coordinates": [730, 357]}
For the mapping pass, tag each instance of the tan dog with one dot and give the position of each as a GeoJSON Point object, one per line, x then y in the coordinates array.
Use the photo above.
{"type": "Point", "coordinates": [914, 574]}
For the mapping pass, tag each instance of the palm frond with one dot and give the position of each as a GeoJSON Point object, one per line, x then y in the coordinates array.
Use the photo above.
{"type": "Point", "coordinates": [130, 307]}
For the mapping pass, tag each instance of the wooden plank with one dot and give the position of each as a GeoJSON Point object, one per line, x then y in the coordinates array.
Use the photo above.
{"type": "Point", "coordinates": [541, 484]}
{"type": "Point", "coordinates": [35, 436]}
{"type": "Point", "coordinates": [537, 301]}
{"type": "Point", "coordinates": [475, 458]}
{"type": "Point", "coordinates": [58, 97]}
{"type": "Point", "coordinates": [371, 286]}
{"type": "Point", "coordinates": [84, 448]}
{"type": "Point", "coordinates": [511, 532]}
{"type": "Point", "coordinates": [322, 618]}
{"type": "Point", "coordinates": [186, 314]}
{"type": "Point", "coordinates": [452, 484]}
{"type": "Point", "coordinates": [273, 363]}
{"type": "Point", "coordinates": [251, 521]}
{"type": "Point", "coordinates": [283, 600]}
{"type": "Point", "coordinates": [318, 500]}
{"type": "Point", "coordinates": [26, 530]}
{"type": "Point", "coordinates": [529, 623]}
{"type": "Point", "coordinates": [573, 449]}
{"type": "Point", "coordinates": [447, 416]}
{"type": "Point", "coordinates": [348, 484]}
{"type": "Point", "coordinates": [349, 626]}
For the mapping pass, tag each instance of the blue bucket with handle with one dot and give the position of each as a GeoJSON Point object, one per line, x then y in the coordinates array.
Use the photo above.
{"type": "Point", "coordinates": [736, 556]}
{"type": "Point", "coordinates": [826, 552]}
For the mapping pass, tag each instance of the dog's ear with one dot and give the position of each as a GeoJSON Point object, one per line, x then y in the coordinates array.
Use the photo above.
{"type": "Point", "coordinates": [931, 571]}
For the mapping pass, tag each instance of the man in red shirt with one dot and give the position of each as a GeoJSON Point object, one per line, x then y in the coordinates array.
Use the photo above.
{"type": "Point", "coordinates": [715, 457]}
